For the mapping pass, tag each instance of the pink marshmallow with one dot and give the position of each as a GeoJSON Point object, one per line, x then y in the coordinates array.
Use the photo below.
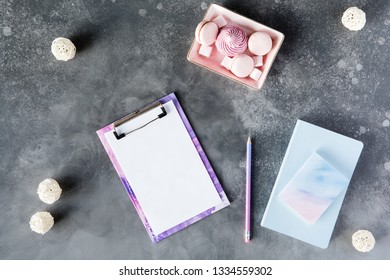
{"type": "Point", "coordinates": [220, 21]}
{"type": "Point", "coordinates": [227, 62]}
{"type": "Point", "coordinates": [258, 60]}
{"type": "Point", "coordinates": [256, 73]}
{"type": "Point", "coordinates": [205, 50]}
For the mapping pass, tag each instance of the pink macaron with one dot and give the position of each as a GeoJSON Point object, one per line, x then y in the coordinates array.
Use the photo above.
{"type": "Point", "coordinates": [206, 32]}
{"type": "Point", "coordinates": [260, 43]}
{"type": "Point", "coordinates": [242, 65]}
{"type": "Point", "coordinates": [197, 30]}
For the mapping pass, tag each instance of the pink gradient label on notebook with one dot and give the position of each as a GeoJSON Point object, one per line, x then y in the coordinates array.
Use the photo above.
{"type": "Point", "coordinates": [314, 188]}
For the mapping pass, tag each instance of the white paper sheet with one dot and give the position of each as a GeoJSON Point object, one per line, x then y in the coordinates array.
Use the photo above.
{"type": "Point", "coordinates": [165, 171]}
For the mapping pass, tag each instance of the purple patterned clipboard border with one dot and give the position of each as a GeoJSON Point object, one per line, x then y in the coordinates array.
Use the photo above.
{"type": "Point", "coordinates": [225, 202]}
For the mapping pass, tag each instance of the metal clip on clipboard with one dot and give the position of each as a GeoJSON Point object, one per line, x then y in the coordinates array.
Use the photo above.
{"type": "Point", "coordinates": [147, 115]}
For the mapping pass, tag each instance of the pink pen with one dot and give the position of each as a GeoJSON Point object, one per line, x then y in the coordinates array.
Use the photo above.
{"type": "Point", "coordinates": [248, 190]}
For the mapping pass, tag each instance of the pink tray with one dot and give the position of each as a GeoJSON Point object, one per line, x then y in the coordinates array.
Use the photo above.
{"type": "Point", "coordinates": [213, 63]}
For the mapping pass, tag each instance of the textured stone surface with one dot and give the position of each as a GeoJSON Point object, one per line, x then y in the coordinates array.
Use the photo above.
{"type": "Point", "coordinates": [130, 53]}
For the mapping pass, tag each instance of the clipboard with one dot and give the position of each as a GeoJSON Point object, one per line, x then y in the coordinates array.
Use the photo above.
{"type": "Point", "coordinates": [341, 151]}
{"type": "Point", "coordinates": [163, 167]}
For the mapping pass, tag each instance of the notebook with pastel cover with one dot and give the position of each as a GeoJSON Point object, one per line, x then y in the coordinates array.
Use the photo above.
{"type": "Point", "coordinates": [311, 184]}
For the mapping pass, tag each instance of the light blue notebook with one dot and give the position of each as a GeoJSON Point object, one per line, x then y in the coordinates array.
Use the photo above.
{"type": "Point", "coordinates": [341, 152]}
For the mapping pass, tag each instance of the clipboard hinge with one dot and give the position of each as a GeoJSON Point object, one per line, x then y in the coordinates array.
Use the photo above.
{"type": "Point", "coordinates": [137, 114]}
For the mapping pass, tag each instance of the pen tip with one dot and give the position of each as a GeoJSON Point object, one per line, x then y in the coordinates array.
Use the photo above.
{"type": "Point", "coordinates": [249, 140]}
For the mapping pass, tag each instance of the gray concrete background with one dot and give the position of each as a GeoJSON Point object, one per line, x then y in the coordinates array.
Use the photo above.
{"type": "Point", "coordinates": [133, 52]}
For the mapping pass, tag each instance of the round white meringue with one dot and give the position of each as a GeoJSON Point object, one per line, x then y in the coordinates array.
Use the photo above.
{"type": "Point", "coordinates": [63, 49]}
{"type": "Point", "coordinates": [354, 19]}
{"type": "Point", "coordinates": [363, 241]}
{"type": "Point", "coordinates": [41, 222]}
{"type": "Point", "coordinates": [49, 191]}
